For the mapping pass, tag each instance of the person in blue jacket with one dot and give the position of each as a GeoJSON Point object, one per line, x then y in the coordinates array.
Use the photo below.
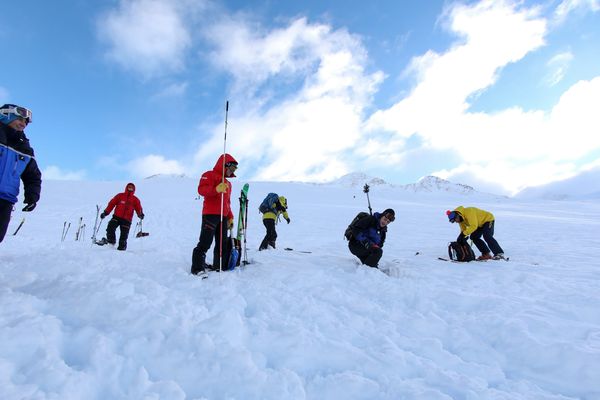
{"type": "Point", "coordinates": [368, 236]}
{"type": "Point", "coordinates": [17, 162]}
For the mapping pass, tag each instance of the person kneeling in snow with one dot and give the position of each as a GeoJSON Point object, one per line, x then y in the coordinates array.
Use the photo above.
{"type": "Point", "coordinates": [368, 236]}
{"type": "Point", "coordinates": [124, 204]}
{"type": "Point", "coordinates": [271, 217]}
{"type": "Point", "coordinates": [474, 223]}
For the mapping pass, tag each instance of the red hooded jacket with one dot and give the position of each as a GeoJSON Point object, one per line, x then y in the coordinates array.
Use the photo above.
{"type": "Point", "coordinates": [125, 204]}
{"type": "Point", "coordinates": [207, 187]}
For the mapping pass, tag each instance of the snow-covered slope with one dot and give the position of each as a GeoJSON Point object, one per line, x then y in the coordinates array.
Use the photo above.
{"type": "Point", "coordinates": [583, 186]}
{"type": "Point", "coordinates": [78, 321]}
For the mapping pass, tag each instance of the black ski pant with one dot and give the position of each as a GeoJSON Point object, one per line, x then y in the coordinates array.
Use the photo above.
{"type": "Point", "coordinates": [211, 229]}
{"type": "Point", "coordinates": [271, 235]}
{"type": "Point", "coordinates": [111, 229]}
{"type": "Point", "coordinates": [5, 211]}
{"type": "Point", "coordinates": [487, 231]}
{"type": "Point", "coordinates": [368, 257]}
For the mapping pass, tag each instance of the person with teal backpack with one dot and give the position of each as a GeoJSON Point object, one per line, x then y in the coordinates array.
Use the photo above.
{"type": "Point", "coordinates": [272, 207]}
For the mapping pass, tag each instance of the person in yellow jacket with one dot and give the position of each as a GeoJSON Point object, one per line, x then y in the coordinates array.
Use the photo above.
{"type": "Point", "coordinates": [475, 223]}
{"type": "Point", "coordinates": [270, 218]}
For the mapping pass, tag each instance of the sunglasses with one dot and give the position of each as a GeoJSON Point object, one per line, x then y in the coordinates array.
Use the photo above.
{"type": "Point", "coordinates": [20, 112]}
{"type": "Point", "coordinates": [231, 165]}
{"type": "Point", "coordinates": [389, 217]}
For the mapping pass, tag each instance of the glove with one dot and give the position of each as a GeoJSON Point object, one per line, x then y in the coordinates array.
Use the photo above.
{"type": "Point", "coordinates": [29, 207]}
{"type": "Point", "coordinates": [462, 239]}
{"type": "Point", "coordinates": [288, 220]}
{"type": "Point", "coordinates": [222, 187]}
{"type": "Point", "coordinates": [103, 215]}
{"type": "Point", "coordinates": [142, 216]}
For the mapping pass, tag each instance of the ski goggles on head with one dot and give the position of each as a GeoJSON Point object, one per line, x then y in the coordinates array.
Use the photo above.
{"type": "Point", "coordinates": [20, 112]}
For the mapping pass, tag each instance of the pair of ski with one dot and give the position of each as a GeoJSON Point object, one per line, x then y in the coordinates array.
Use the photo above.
{"type": "Point", "coordinates": [456, 261]}
{"type": "Point", "coordinates": [238, 255]}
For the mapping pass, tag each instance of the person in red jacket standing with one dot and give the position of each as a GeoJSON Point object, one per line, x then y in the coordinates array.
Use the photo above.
{"type": "Point", "coordinates": [213, 186]}
{"type": "Point", "coordinates": [124, 204]}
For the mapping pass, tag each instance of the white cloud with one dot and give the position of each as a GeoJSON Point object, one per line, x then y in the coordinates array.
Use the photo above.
{"type": "Point", "coordinates": [54, 172]}
{"type": "Point", "coordinates": [566, 7]}
{"type": "Point", "coordinates": [303, 135]}
{"type": "Point", "coordinates": [172, 90]}
{"type": "Point", "coordinates": [557, 68]}
{"type": "Point", "coordinates": [154, 164]}
{"type": "Point", "coordinates": [513, 147]}
{"type": "Point", "coordinates": [146, 36]}
{"type": "Point", "coordinates": [4, 95]}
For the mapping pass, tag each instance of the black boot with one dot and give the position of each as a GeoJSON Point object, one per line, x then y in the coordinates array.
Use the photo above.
{"type": "Point", "coordinates": [198, 262]}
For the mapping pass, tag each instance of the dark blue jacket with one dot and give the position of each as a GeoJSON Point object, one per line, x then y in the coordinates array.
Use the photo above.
{"type": "Point", "coordinates": [17, 162]}
{"type": "Point", "coordinates": [368, 231]}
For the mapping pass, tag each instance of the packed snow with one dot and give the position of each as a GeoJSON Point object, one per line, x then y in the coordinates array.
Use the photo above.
{"type": "Point", "coordinates": [80, 321]}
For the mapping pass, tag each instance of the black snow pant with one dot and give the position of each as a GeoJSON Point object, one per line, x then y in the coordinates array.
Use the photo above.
{"type": "Point", "coordinates": [368, 257]}
{"type": "Point", "coordinates": [211, 228]}
{"type": "Point", "coordinates": [487, 231]}
{"type": "Point", "coordinates": [111, 229]}
{"type": "Point", "coordinates": [271, 235]}
{"type": "Point", "coordinates": [5, 211]}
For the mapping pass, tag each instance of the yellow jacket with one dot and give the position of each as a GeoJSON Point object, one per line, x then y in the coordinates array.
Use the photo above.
{"type": "Point", "coordinates": [276, 213]}
{"type": "Point", "coordinates": [473, 218]}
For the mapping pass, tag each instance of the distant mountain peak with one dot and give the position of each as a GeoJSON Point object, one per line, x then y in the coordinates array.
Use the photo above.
{"type": "Point", "coordinates": [354, 179]}
{"type": "Point", "coordinates": [435, 184]}
{"type": "Point", "coordinates": [166, 176]}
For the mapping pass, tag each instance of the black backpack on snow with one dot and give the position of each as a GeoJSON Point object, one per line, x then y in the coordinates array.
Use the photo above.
{"type": "Point", "coordinates": [348, 232]}
{"type": "Point", "coordinates": [460, 251]}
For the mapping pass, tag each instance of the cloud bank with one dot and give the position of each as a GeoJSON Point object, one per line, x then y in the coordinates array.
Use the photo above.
{"type": "Point", "coordinates": [304, 93]}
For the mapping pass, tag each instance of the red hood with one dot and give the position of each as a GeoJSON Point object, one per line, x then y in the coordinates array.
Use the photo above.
{"type": "Point", "coordinates": [218, 168]}
{"type": "Point", "coordinates": [130, 183]}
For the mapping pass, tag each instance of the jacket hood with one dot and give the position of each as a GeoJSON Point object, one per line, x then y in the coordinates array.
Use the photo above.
{"type": "Point", "coordinates": [218, 168]}
{"type": "Point", "coordinates": [460, 210]}
{"type": "Point", "coordinates": [130, 184]}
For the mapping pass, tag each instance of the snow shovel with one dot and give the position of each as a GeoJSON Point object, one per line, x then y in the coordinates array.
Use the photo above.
{"type": "Point", "coordinates": [140, 233]}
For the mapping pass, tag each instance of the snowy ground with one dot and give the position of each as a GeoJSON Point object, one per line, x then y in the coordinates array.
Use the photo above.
{"type": "Point", "coordinates": [78, 321]}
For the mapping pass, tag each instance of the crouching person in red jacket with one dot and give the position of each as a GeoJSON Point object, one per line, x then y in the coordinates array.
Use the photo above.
{"type": "Point", "coordinates": [124, 204]}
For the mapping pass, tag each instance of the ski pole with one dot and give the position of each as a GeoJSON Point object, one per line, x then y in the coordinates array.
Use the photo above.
{"type": "Point", "coordinates": [223, 193]}
{"type": "Point", "coordinates": [78, 229]}
{"type": "Point", "coordinates": [96, 223]}
{"type": "Point", "coordinates": [19, 227]}
{"type": "Point", "coordinates": [96, 231]}
{"type": "Point", "coordinates": [366, 190]}
{"type": "Point", "coordinates": [65, 232]}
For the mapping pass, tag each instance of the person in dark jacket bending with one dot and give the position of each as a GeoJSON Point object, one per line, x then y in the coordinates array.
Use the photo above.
{"type": "Point", "coordinates": [17, 162]}
{"type": "Point", "coordinates": [124, 204]}
{"type": "Point", "coordinates": [368, 237]}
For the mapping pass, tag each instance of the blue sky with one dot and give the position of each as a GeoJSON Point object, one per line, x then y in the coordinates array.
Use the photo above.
{"type": "Point", "coordinates": [497, 94]}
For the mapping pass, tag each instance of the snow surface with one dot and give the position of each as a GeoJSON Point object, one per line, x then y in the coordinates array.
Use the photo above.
{"type": "Point", "coordinates": [79, 321]}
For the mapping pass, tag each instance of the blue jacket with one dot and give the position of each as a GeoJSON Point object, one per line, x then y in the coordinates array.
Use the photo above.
{"type": "Point", "coordinates": [17, 162]}
{"type": "Point", "coordinates": [368, 231]}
